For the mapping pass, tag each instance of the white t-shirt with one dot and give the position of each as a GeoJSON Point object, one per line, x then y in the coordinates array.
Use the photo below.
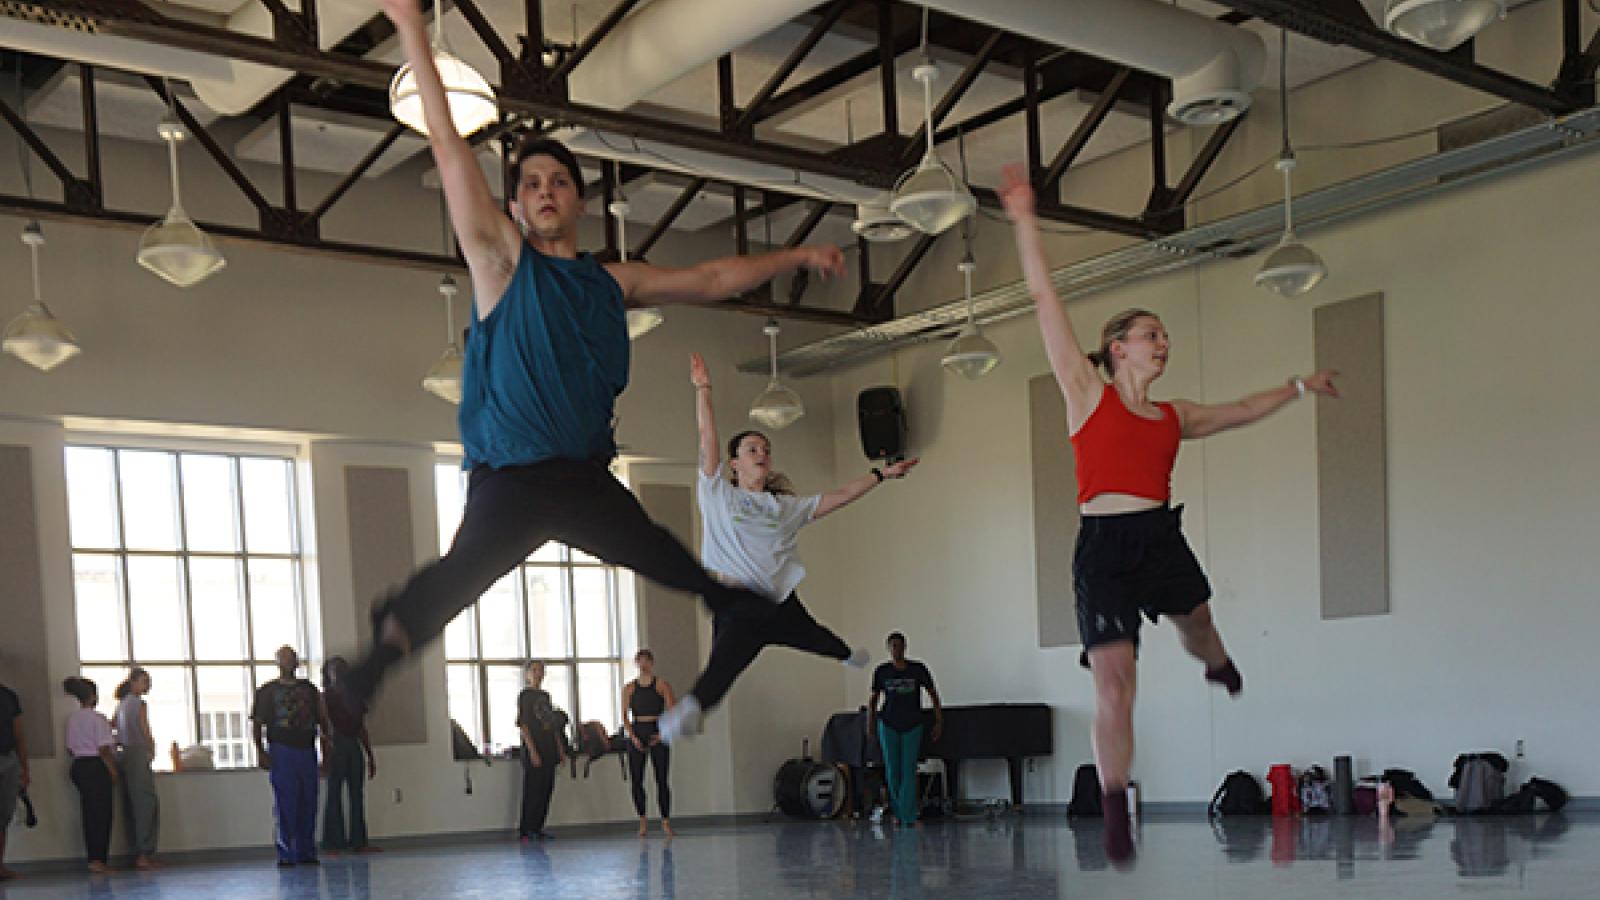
{"type": "Point", "coordinates": [750, 538]}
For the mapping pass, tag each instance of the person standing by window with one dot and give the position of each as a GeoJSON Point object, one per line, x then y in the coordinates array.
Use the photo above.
{"type": "Point", "coordinates": [543, 751]}
{"type": "Point", "coordinates": [138, 752]}
{"type": "Point", "coordinates": [288, 712]}
{"type": "Point", "coordinates": [347, 770]}
{"type": "Point", "coordinates": [900, 682]}
{"type": "Point", "coordinates": [94, 769]}
{"type": "Point", "coordinates": [643, 701]}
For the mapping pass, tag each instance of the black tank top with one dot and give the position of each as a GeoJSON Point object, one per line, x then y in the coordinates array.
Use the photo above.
{"type": "Point", "coordinates": [647, 701]}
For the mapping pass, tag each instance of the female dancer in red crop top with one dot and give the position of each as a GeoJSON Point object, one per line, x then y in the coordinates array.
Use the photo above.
{"type": "Point", "coordinates": [1131, 556]}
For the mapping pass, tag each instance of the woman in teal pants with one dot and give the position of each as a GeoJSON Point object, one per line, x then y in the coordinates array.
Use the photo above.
{"type": "Point", "coordinates": [898, 728]}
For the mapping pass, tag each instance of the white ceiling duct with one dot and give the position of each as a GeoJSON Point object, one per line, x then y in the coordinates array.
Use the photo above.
{"type": "Point", "coordinates": [249, 83]}
{"type": "Point", "coordinates": [668, 39]}
{"type": "Point", "coordinates": [108, 50]}
{"type": "Point", "coordinates": [1213, 65]}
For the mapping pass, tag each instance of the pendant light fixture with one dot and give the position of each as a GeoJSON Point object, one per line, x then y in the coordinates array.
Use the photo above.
{"type": "Point", "coordinates": [643, 320]}
{"type": "Point", "coordinates": [778, 407]}
{"type": "Point", "coordinates": [930, 198]}
{"type": "Point", "coordinates": [970, 355]}
{"type": "Point", "coordinates": [468, 94]}
{"type": "Point", "coordinates": [1441, 24]}
{"type": "Point", "coordinates": [444, 379]}
{"type": "Point", "coordinates": [37, 337]}
{"type": "Point", "coordinates": [1293, 268]}
{"type": "Point", "coordinates": [175, 248]}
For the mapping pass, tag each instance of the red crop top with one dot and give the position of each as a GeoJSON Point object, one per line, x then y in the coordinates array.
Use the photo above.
{"type": "Point", "coordinates": [1123, 453]}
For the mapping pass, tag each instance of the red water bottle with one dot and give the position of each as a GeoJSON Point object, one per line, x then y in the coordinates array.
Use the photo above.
{"type": "Point", "coordinates": [1285, 793]}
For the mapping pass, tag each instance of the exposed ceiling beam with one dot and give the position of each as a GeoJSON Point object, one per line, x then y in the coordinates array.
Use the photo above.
{"type": "Point", "coordinates": [1345, 22]}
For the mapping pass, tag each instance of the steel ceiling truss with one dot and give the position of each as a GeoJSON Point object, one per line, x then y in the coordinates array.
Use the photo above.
{"type": "Point", "coordinates": [1346, 22]}
{"type": "Point", "coordinates": [533, 97]}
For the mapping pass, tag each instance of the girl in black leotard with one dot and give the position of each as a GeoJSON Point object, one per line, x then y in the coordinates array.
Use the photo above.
{"type": "Point", "coordinates": [643, 701]}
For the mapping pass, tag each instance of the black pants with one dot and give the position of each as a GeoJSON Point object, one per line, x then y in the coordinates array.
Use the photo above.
{"type": "Point", "coordinates": [660, 758]}
{"type": "Point", "coordinates": [513, 511]}
{"type": "Point", "coordinates": [538, 785]}
{"type": "Point", "coordinates": [94, 783]}
{"type": "Point", "coordinates": [738, 640]}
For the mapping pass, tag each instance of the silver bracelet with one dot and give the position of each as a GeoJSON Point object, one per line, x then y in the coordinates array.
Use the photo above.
{"type": "Point", "coordinates": [1299, 387]}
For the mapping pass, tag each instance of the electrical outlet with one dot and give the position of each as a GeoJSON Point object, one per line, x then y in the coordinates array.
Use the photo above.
{"type": "Point", "coordinates": [398, 798]}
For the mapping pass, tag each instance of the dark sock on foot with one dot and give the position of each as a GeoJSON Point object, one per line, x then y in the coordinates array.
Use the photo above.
{"type": "Point", "coordinates": [1228, 676]}
{"type": "Point", "coordinates": [1119, 830]}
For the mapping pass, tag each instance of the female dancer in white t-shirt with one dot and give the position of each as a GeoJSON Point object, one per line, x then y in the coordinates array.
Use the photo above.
{"type": "Point", "coordinates": [751, 522]}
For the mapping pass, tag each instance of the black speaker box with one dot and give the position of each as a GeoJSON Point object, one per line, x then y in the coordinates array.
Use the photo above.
{"type": "Point", "coordinates": [882, 418]}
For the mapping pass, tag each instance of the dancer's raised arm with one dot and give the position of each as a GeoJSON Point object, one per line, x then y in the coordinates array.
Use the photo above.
{"type": "Point", "coordinates": [1080, 384]}
{"type": "Point", "coordinates": [704, 416]}
{"type": "Point", "coordinates": [489, 240]}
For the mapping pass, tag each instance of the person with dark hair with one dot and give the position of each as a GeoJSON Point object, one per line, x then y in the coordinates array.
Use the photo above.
{"type": "Point", "coordinates": [1131, 556]}
{"type": "Point", "coordinates": [14, 773]}
{"type": "Point", "coordinates": [347, 770]}
{"type": "Point", "coordinates": [90, 743]}
{"type": "Point", "coordinates": [898, 728]}
{"type": "Point", "coordinates": [544, 751]}
{"type": "Point", "coordinates": [546, 357]}
{"type": "Point", "coordinates": [138, 752]}
{"type": "Point", "coordinates": [644, 699]}
{"type": "Point", "coordinates": [750, 529]}
{"type": "Point", "coordinates": [289, 713]}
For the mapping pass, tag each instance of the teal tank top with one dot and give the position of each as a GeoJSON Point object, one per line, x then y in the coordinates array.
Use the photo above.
{"type": "Point", "coordinates": [544, 368]}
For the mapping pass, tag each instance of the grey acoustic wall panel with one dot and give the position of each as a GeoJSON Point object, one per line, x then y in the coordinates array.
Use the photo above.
{"type": "Point", "coordinates": [378, 501]}
{"type": "Point", "coordinates": [1352, 460]}
{"type": "Point", "coordinates": [671, 622]}
{"type": "Point", "coordinates": [1055, 512]}
{"type": "Point", "coordinates": [22, 629]}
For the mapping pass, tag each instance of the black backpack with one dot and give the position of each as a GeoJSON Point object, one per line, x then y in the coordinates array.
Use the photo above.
{"type": "Point", "coordinates": [1526, 799]}
{"type": "Point", "coordinates": [1239, 795]}
{"type": "Point", "coordinates": [1085, 793]}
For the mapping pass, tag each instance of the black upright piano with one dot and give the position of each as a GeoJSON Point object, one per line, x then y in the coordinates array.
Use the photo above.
{"type": "Point", "coordinates": [1009, 731]}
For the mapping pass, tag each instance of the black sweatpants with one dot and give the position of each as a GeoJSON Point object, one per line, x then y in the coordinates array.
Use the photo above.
{"type": "Point", "coordinates": [513, 511]}
{"type": "Point", "coordinates": [660, 758]}
{"type": "Point", "coordinates": [95, 795]}
{"type": "Point", "coordinates": [738, 640]}
{"type": "Point", "coordinates": [538, 785]}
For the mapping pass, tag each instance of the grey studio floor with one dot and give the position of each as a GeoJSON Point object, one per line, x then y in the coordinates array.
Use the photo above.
{"type": "Point", "coordinates": [1552, 856]}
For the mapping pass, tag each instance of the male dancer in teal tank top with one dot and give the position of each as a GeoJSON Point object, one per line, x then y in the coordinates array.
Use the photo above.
{"type": "Point", "coordinates": [546, 357]}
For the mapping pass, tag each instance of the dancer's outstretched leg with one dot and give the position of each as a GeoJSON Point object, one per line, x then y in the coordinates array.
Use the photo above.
{"type": "Point", "coordinates": [1199, 636]}
{"type": "Point", "coordinates": [507, 517]}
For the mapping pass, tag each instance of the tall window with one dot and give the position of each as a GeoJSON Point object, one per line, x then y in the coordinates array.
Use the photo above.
{"type": "Point", "coordinates": [560, 606]}
{"type": "Point", "coordinates": [188, 564]}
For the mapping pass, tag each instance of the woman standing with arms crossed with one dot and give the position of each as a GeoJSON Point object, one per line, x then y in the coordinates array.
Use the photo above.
{"type": "Point", "coordinates": [94, 769]}
{"type": "Point", "coordinates": [1131, 556]}
{"type": "Point", "coordinates": [644, 699]}
{"type": "Point", "coordinates": [138, 751]}
{"type": "Point", "coordinates": [751, 523]}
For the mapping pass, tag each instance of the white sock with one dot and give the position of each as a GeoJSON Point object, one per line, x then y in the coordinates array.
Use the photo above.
{"type": "Point", "coordinates": [682, 720]}
{"type": "Point", "coordinates": [859, 657]}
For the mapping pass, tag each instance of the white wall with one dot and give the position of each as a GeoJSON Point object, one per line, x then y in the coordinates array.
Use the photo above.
{"type": "Point", "coordinates": [1489, 334]}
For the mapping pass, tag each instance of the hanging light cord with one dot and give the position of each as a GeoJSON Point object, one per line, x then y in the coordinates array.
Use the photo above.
{"type": "Point", "coordinates": [927, 84]}
{"type": "Point", "coordinates": [1286, 156]}
{"type": "Point", "coordinates": [33, 251]}
{"type": "Point", "coordinates": [772, 346]}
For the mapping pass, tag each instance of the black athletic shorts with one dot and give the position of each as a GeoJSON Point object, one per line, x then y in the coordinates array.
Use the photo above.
{"type": "Point", "coordinates": [1131, 563]}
